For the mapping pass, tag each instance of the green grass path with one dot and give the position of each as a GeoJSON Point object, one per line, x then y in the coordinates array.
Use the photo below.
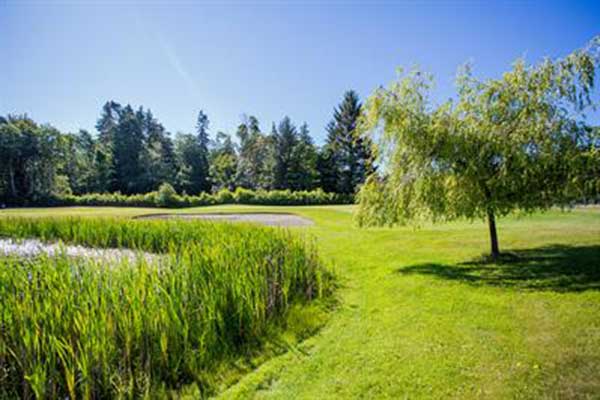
{"type": "Point", "coordinates": [417, 319]}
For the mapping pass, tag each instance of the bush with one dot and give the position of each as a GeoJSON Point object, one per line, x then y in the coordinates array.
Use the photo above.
{"type": "Point", "coordinates": [166, 196]}
{"type": "Point", "coordinates": [224, 196]}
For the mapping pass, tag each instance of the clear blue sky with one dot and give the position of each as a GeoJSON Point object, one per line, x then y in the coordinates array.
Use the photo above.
{"type": "Point", "coordinates": [60, 62]}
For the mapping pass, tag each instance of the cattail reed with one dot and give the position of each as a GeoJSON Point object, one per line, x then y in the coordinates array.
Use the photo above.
{"type": "Point", "coordinates": [90, 327]}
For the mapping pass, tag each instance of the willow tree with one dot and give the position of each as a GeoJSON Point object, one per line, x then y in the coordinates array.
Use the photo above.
{"type": "Point", "coordinates": [517, 143]}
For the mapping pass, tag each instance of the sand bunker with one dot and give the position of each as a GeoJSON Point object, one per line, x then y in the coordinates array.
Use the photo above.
{"type": "Point", "coordinates": [269, 219]}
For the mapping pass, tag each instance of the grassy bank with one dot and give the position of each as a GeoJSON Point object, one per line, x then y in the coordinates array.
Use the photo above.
{"type": "Point", "coordinates": [84, 328]}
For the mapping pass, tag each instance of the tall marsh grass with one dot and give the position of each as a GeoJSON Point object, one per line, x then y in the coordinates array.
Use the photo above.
{"type": "Point", "coordinates": [83, 328]}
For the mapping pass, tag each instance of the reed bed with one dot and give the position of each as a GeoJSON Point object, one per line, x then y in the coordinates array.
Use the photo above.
{"type": "Point", "coordinates": [86, 328]}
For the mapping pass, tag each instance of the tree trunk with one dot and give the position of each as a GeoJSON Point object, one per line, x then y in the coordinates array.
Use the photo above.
{"type": "Point", "coordinates": [493, 234]}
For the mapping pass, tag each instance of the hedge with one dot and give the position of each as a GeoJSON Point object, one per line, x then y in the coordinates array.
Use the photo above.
{"type": "Point", "coordinates": [167, 197]}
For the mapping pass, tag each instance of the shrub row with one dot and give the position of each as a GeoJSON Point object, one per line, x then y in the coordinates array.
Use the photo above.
{"type": "Point", "coordinates": [167, 197]}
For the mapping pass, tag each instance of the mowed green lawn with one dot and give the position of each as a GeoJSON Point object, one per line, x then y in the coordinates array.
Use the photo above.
{"type": "Point", "coordinates": [420, 317]}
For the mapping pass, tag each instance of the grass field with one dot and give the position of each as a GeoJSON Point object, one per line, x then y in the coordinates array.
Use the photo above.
{"type": "Point", "coordinates": [421, 316]}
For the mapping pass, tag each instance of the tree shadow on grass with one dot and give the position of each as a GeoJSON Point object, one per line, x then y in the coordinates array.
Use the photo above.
{"type": "Point", "coordinates": [557, 268]}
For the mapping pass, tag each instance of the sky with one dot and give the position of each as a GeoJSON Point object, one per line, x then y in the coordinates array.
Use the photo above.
{"type": "Point", "coordinates": [61, 61]}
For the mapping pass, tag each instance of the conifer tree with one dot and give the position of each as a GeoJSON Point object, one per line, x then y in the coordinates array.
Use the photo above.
{"type": "Point", "coordinates": [305, 161]}
{"type": "Point", "coordinates": [347, 156]}
{"type": "Point", "coordinates": [201, 173]}
{"type": "Point", "coordinates": [128, 152]}
{"type": "Point", "coordinates": [108, 121]}
{"type": "Point", "coordinates": [286, 139]}
{"type": "Point", "coordinates": [162, 166]}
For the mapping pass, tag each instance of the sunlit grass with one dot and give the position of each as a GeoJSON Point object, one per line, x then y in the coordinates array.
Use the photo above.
{"type": "Point", "coordinates": [527, 327]}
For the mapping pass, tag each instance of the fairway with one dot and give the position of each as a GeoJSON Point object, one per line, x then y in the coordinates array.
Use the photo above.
{"type": "Point", "coordinates": [420, 317]}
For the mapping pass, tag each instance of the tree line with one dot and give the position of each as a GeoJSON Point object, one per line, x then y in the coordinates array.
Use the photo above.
{"type": "Point", "coordinates": [133, 153]}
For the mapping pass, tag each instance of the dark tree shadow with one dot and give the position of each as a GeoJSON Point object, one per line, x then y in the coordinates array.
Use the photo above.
{"type": "Point", "coordinates": [557, 268]}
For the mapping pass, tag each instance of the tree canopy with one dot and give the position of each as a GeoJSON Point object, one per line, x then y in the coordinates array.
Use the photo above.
{"type": "Point", "coordinates": [519, 142]}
